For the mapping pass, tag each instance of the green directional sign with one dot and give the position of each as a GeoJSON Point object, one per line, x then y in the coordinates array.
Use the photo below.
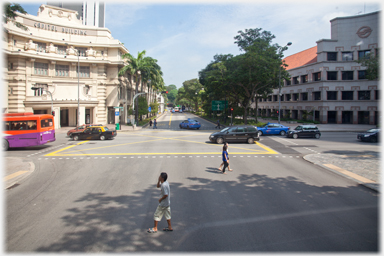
{"type": "Point", "coordinates": [219, 105]}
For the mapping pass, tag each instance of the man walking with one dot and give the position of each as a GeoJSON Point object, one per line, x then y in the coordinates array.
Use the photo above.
{"type": "Point", "coordinates": [150, 123]}
{"type": "Point", "coordinates": [164, 207]}
{"type": "Point", "coordinates": [154, 124]}
{"type": "Point", "coordinates": [218, 124]}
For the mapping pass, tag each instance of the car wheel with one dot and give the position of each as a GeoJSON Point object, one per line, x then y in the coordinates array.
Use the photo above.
{"type": "Point", "coordinates": [373, 139]}
{"type": "Point", "coordinates": [260, 133]}
{"type": "Point", "coordinates": [219, 140]}
{"type": "Point", "coordinates": [317, 136]}
{"type": "Point", "coordinates": [69, 134]}
{"type": "Point", "coordinates": [102, 137]}
{"type": "Point", "coordinates": [295, 136]}
{"type": "Point", "coordinates": [75, 138]}
{"type": "Point", "coordinates": [250, 140]}
{"type": "Point", "coordinates": [188, 127]}
{"type": "Point", "coordinates": [198, 128]}
{"type": "Point", "coordinates": [180, 126]}
{"type": "Point", "coordinates": [5, 145]}
{"type": "Point", "coordinates": [282, 133]}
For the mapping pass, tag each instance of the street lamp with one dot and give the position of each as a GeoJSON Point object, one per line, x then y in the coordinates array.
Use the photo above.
{"type": "Point", "coordinates": [38, 88]}
{"type": "Point", "coordinates": [281, 50]}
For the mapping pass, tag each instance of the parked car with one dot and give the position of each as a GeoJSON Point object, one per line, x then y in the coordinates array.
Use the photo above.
{"type": "Point", "coordinates": [190, 123]}
{"type": "Point", "coordinates": [304, 131]}
{"type": "Point", "coordinates": [173, 111]}
{"type": "Point", "coordinates": [371, 135]}
{"type": "Point", "coordinates": [81, 128]}
{"type": "Point", "coordinates": [241, 133]}
{"type": "Point", "coordinates": [94, 133]}
{"type": "Point", "coordinates": [273, 128]}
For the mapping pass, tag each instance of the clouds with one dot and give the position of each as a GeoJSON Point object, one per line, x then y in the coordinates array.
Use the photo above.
{"type": "Point", "coordinates": [185, 37]}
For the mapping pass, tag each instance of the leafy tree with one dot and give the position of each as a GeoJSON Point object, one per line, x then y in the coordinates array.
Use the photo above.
{"type": "Point", "coordinates": [10, 14]}
{"type": "Point", "coordinates": [170, 87]}
{"type": "Point", "coordinates": [172, 95]}
{"type": "Point", "coordinates": [372, 63]}
{"type": "Point", "coordinates": [143, 107]}
{"type": "Point", "coordinates": [139, 66]}
{"type": "Point", "coordinates": [154, 107]}
{"type": "Point", "coordinates": [191, 92]}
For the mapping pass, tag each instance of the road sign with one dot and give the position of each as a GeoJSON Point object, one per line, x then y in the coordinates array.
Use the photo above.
{"type": "Point", "coordinates": [117, 113]}
{"type": "Point", "coordinates": [149, 109]}
{"type": "Point", "coordinates": [219, 104]}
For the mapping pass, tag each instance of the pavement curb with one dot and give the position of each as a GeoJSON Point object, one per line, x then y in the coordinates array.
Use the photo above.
{"type": "Point", "coordinates": [372, 186]}
{"type": "Point", "coordinates": [11, 165]}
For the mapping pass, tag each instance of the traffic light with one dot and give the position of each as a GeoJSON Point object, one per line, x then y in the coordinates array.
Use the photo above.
{"type": "Point", "coordinates": [277, 111]}
{"type": "Point", "coordinates": [165, 92]}
{"type": "Point", "coordinates": [231, 109]}
{"type": "Point", "coordinates": [53, 113]}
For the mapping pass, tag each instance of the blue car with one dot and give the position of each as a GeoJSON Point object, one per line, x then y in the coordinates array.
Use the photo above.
{"type": "Point", "coordinates": [173, 111]}
{"type": "Point", "coordinates": [271, 128]}
{"type": "Point", "coordinates": [190, 124]}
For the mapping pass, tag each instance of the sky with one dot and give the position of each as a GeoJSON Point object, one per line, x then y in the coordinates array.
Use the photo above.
{"type": "Point", "coordinates": [185, 36]}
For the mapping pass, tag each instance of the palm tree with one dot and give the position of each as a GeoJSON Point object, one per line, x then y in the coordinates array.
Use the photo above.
{"type": "Point", "coordinates": [140, 68]}
{"type": "Point", "coordinates": [10, 14]}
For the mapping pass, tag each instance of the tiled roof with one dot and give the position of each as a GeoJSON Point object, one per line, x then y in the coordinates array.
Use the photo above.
{"type": "Point", "coordinates": [301, 58]}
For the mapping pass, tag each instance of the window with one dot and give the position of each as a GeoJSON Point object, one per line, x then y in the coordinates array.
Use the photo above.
{"type": "Point", "coordinates": [288, 97]}
{"type": "Point", "coordinates": [82, 51]}
{"type": "Point", "coordinates": [362, 74]}
{"type": "Point", "coordinates": [288, 82]}
{"type": "Point", "coordinates": [316, 95]}
{"type": "Point", "coordinates": [296, 80]}
{"type": "Point", "coordinates": [46, 123]}
{"type": "Point", "coordinates": [41, 47]}
{"type": "Point", "coordinates": [10, 66]}
{"type": "Point", "coordinates": [364, 54]}
{"type": "Point", "coordinates": [347, 95]}
{"type": "Point", "coordinates": [41, 68]}
{"type": "Point", "coordinates": [251, 129]}
{"type": "Point", "coordinates": [295, 97]}
{"type": "Point", "coordinates": [346, 75]}
{"type": "Point", "coordinates": [269, 98]}
{"type": "Point", "coordinates": [86, 89]}
{"type": "Point", "coordinates": [62, 70]}
{"type": "Point", "coordinates": [377, 95]}
{"type": "Point", "coordinates": [304, 79]}
{"type": "Point", "coordinates": [316, 76]}
{"type": "Point", "coordinates": [61, 49]}
{"type": "Point", "coordinates": [84, 71]}
{"type": "Point", "coordinates": [14, 42]}
{"type": "Point", "coordinates": [332, 75]}
{"type": "Point", "coordinates": [304, 96]}
{"type": "Point", "coordinates": [347, 56]}
{"type": "Point", "coordinates": [331, 95]}
{"type": "Point", "coordinates": [275, 98]}
{"type": "Point", "coordinates": [332, 56]}
{"type": "Point", "coordinates": [364, 95]}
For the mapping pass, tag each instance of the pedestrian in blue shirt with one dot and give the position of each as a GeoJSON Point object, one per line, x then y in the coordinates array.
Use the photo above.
{"type": "Point", "coordinates": [154, 124]}
{"type": "Point", "coordinates": [226, 159]}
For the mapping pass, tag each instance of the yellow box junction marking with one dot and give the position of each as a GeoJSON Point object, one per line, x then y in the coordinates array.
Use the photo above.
{"type": "Point", "coordinates": [348, 173]}
{"type": "Point", "coordinates": [248, 151]}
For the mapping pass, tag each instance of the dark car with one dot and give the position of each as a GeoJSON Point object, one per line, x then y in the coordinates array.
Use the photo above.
{"type": "Point", "coordinates": [371, 135]}
{"type": "Point", "coordinates": [304, 131]}
{"type": "Point", "coordinates": [81, 128]}
{"type": "Point", "coordinates": [273, 128]}
{"type": "Point", "coordinates": [241, 133]}
{"type": "Point", "coordinates": [94, 133]}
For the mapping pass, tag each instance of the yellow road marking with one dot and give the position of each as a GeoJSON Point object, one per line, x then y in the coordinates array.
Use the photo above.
{"type": "Point", "coordinates": [351, 174]}
{"type": "Point", "coordinates": [170, 119]}
{"type": "Point", "coordinates": [14, 175]}
{"type": "Point", "coordinates": [164, 153]}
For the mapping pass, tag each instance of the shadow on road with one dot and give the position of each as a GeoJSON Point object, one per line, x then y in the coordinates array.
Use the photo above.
{"type": "Point", "coordinates": [252, 213]}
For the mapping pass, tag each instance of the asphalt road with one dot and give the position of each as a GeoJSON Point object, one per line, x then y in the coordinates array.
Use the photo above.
{"type": "Point", "coordinates": [100, 196]}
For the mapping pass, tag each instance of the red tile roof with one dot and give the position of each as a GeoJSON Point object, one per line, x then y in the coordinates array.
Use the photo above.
{"type": "Point", "coordinates": [301, 58]}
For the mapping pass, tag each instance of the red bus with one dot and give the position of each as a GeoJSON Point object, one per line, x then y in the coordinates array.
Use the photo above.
{"type": "Point", "coordinates": [27, 129]}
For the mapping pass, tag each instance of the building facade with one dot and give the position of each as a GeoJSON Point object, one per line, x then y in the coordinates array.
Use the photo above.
{"type": "Point", "coordinates": [327, 81]}
{"type": "Point", "coordinates": [47, 58]}
{"type": "Point", "coordinates": [92, 13]}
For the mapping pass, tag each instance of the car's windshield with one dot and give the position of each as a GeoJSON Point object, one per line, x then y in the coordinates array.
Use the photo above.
{"type": "Point", "coordinates": [82, 127]}
{"type": "Point", "coordinates": [373, 130]}
{"type": "Point", "coordinates": [106, 128]}
{"type": "Point", "coordinates": [225, 129]}
{"type": "Point", "coordinates": [299, 128]}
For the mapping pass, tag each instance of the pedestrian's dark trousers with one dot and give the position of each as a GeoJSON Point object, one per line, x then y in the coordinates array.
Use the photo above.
{"type": "Point", "coordinates": [225, 165]}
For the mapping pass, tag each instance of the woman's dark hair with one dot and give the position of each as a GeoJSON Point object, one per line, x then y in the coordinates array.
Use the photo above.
{"type": "Point", "coordinates": [225, 147]}
{"type": "Point", "coordinates": [164, 175]}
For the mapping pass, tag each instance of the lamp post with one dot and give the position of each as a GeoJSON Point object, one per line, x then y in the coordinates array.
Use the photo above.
{"type": "Point", "coordinates": [281, 50]}
{"type": "Point", "coordinates": [78, 87]}
{"type": "Point", "coordinates": [38, 88]}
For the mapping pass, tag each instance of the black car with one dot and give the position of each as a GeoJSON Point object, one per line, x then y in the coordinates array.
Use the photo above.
{"type": "Point", "coordinates": [242, 133]}
{"type": "Point", "coordinates": [371, 135]}
{"type": "Point", "coordinates": [304, 131]}
{"type": "Point", "coordinates": [94, 133]}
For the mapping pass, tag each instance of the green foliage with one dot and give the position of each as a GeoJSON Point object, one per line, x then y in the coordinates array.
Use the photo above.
{"type": "Point", "coordinates": [172, 95]}
{"type": "Point", "coordinates": [372, 63]}
{"type": "Point", "coordinates": [10, 14]}
{"type": "Point", "coordinates": [154, 107]}
{"type": "Point", "coordinates": [143, 106]}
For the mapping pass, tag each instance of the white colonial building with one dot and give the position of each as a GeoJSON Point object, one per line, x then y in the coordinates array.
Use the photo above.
{"type": "Point", "coordinates": [326, 78]}
{"type": "Point", "coordinates": [45, 57]}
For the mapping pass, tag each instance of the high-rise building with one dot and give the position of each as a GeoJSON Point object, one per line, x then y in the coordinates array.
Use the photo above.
{"type": "Point", "coordinates": [90, 12]}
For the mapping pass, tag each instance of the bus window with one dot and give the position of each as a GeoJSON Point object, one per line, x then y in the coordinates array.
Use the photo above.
{"type": "Point", "coordinates": [6, 127]}
{"type": "Point", "coordinates": [32, 125]}
{"type": "Point", "coordinates": [46, 123]}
